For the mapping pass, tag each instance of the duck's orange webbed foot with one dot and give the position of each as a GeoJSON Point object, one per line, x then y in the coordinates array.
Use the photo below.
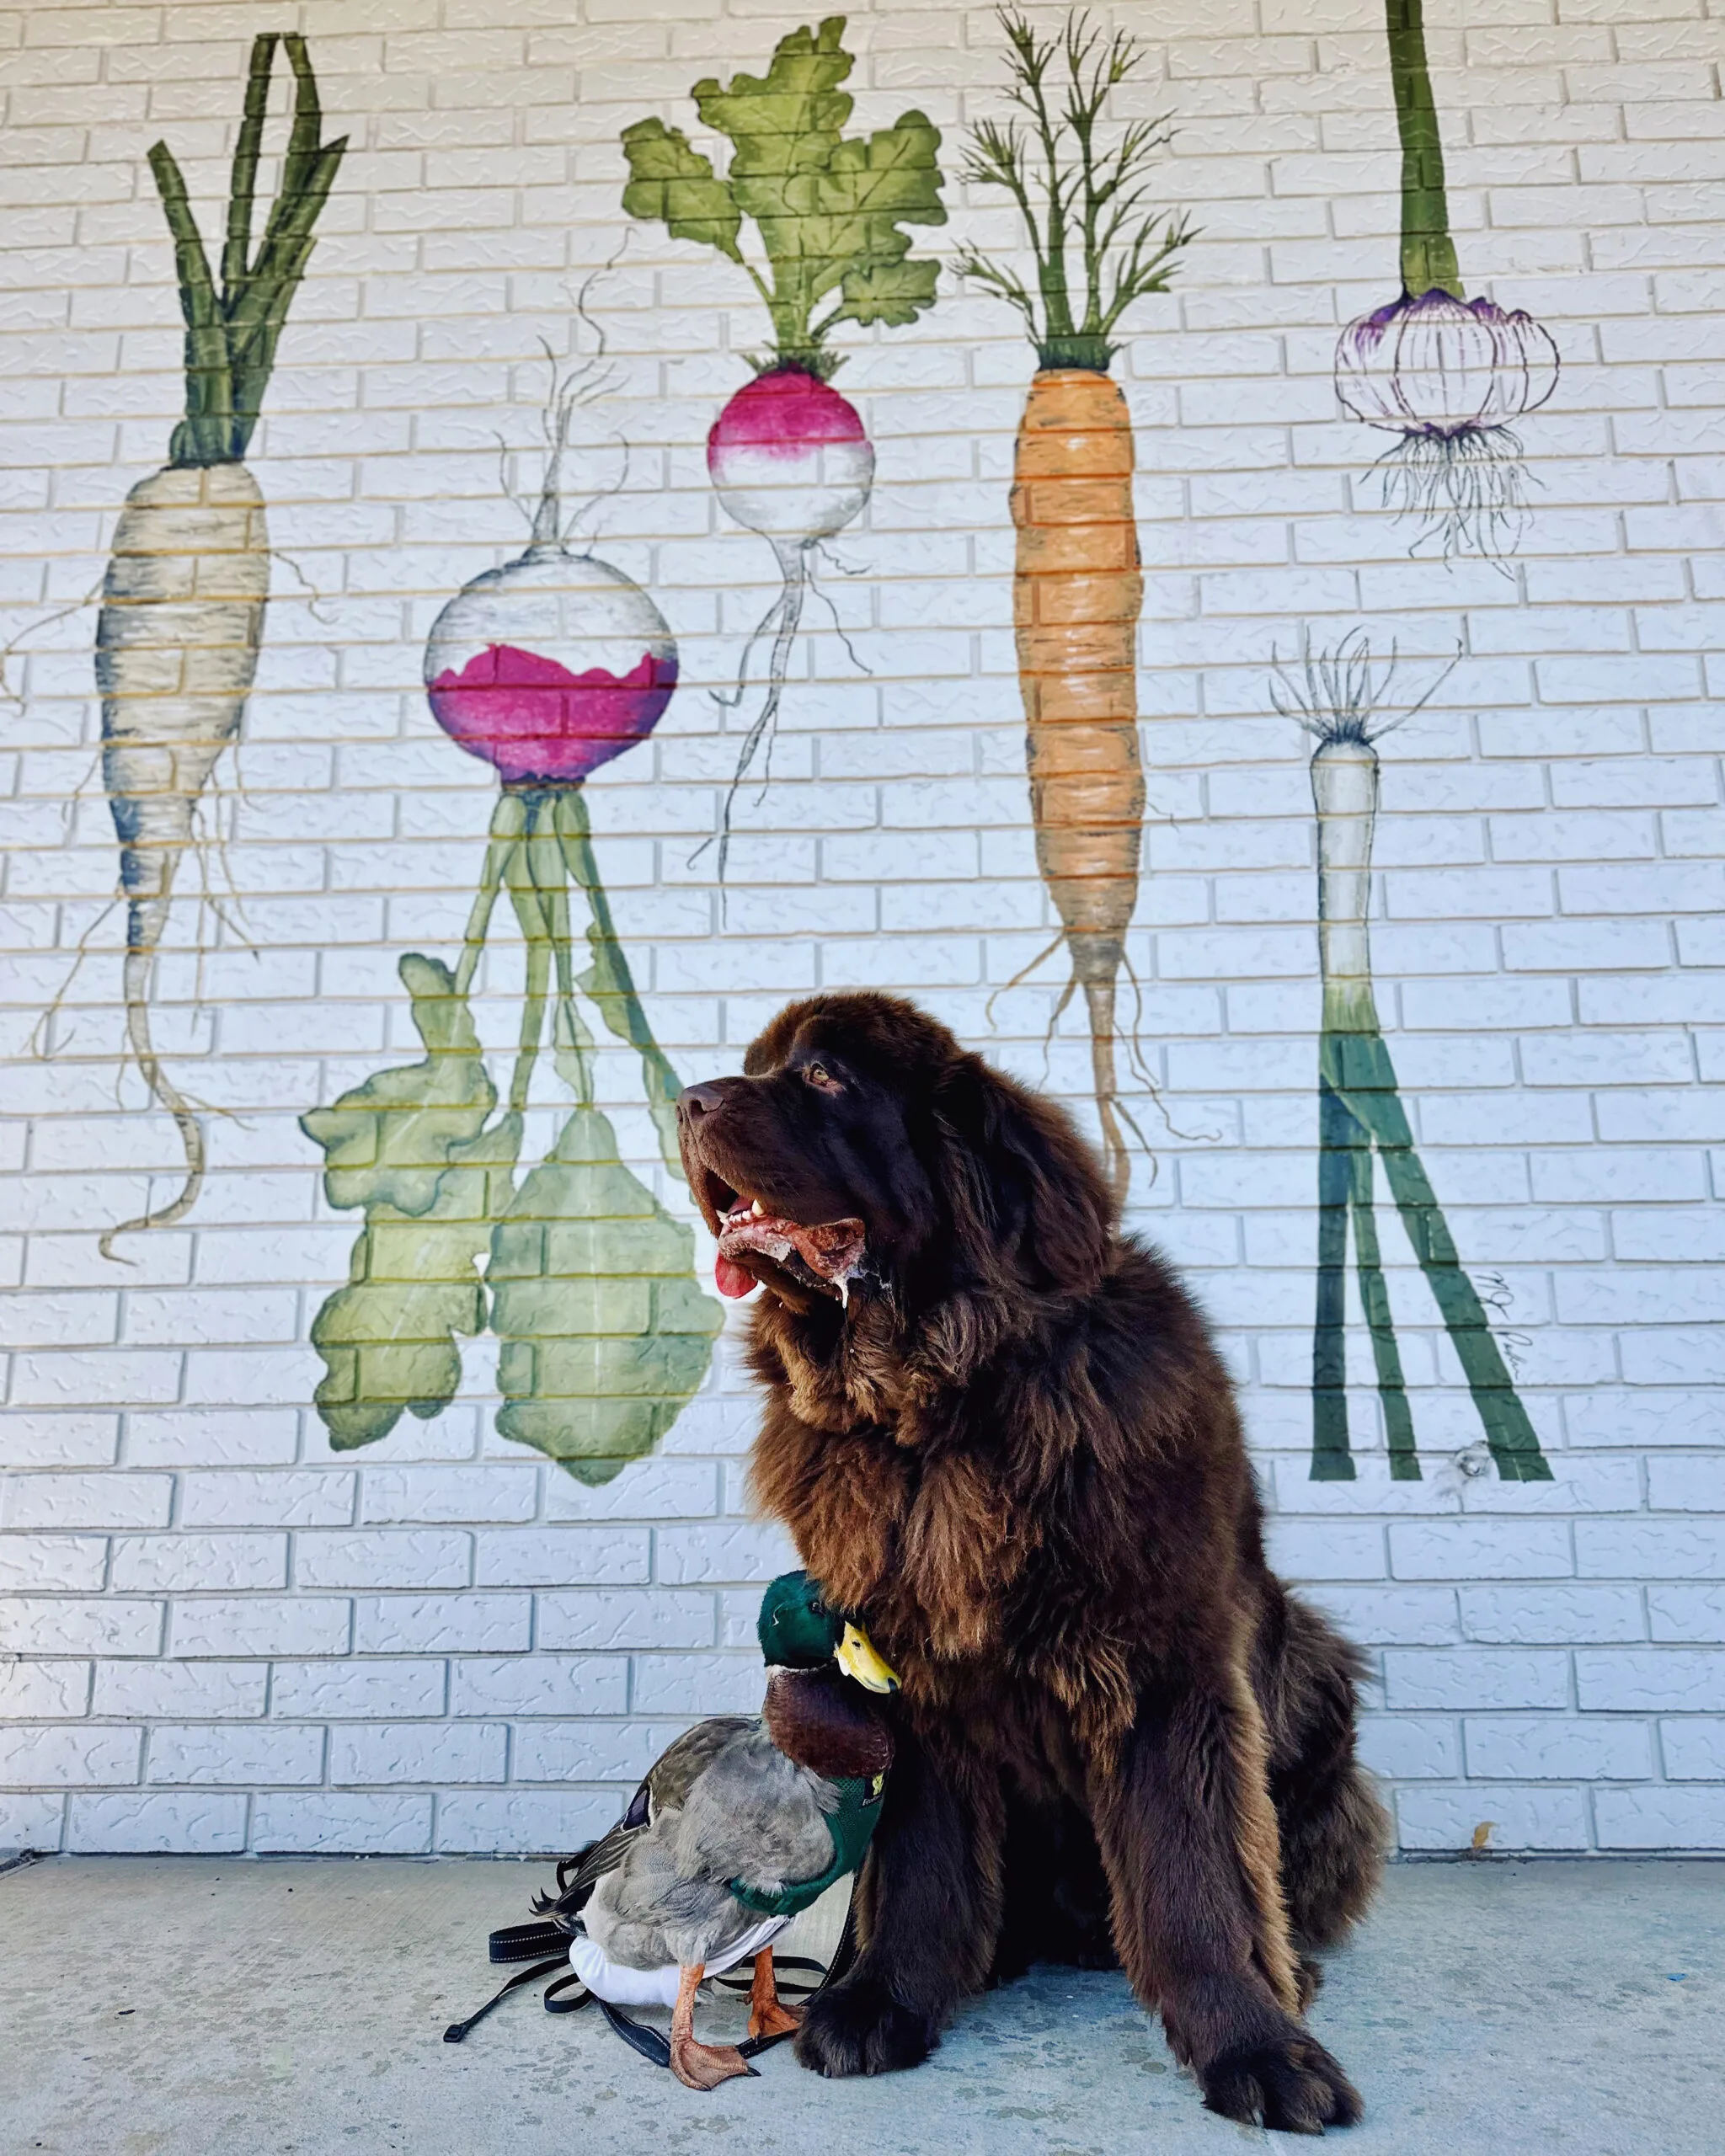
{"type": "Point", "coordinates": [768, 2014]}
{"type": "Point", "coordinates": [699, 2066]}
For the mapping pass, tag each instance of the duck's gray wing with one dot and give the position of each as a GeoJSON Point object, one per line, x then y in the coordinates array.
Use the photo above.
{"type": "Point", "coordinates": [754, 1816]}
{"type": "Point", "coordinates": [646, 1914]}
{"type": "Point", "coordinates": [665, 1789]}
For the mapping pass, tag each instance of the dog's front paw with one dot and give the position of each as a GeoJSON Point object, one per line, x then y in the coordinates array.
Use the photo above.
{"type": "Point", "coordinates": [1290, 2085]}
{"type": "Point", "coordinates": [858, 2027]}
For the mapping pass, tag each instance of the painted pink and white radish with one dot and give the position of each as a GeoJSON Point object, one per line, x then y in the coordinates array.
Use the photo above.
{"type": "Point", "coordinates": [546, 668]}
{"type": "Point", "coordinates": [554, 664]}
{"type": "Point", "coordinates": [183, 599]}
{"type": "Point", "coordinates": [790, 457]}
{"type": "Point", "coordinates": [790, 460]}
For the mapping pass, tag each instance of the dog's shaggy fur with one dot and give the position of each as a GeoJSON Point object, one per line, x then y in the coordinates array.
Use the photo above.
{"type": "Point", "coordinates": [1008, 1443]}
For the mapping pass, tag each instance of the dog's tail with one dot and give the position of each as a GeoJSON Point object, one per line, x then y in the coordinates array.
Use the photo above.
{"type": "Point", "coordinates": [1335, 1831]}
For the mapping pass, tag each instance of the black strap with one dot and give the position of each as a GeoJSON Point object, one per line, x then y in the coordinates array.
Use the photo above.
{"type": "Point", "coordinates": [520, 1942]}
{"type": "Point", "coordinates": [517, 1942]}
{"type": "Point", "coordinates": [457, 2029]}
{"type": "Point", "coordinates": [733, 1980]}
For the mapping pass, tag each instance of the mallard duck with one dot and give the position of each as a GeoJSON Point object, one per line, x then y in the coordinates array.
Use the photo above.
{"type": "Point", "coordinates": [740, 1824]}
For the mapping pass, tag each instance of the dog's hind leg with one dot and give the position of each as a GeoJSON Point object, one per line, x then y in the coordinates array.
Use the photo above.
{"type": "Point", "coordinates": [1187, 1836]}
{"type": "Point", "coordinates": [1055, 1893]}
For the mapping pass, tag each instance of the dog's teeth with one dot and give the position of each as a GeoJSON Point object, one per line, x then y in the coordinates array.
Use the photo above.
{"type": "Point", "coordinates": [758, 1209]}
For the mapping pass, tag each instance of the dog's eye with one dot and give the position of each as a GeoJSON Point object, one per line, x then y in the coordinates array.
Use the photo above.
{"type": "Point", "coordinates": [820, 1078]}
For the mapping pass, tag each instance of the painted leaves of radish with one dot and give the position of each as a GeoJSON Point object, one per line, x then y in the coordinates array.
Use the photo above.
{"type": "Point", "coordinates": [589, 1282]}
{"type": "Point", "coordinates": [411, 1146]}
{"type": "Point", "coordinates": [828, 209]}
{"type": "Point", "coordinates": [605, 1332]}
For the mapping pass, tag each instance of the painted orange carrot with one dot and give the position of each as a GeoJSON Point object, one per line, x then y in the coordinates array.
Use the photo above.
{"type": "Point", "coordinates": [1077, 593]}
{"type": "Point", "coordinates": [1077, 590]}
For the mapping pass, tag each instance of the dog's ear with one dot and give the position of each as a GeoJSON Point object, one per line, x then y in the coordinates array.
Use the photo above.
{"type": "Point", "coordinates": [1026, 1194]}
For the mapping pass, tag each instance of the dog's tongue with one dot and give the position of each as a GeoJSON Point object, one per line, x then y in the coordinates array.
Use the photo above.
{"type": "Point", "coordinates": [834, 1250]}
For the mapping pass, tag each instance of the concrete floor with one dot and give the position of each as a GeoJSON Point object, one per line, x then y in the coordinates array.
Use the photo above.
{"type": "Point", "coordinates": [207, 2007]}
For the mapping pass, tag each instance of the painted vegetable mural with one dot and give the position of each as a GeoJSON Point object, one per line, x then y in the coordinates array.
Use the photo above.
{"type": "Point", "coordinates": [183, 599]}
{"type": "Point", "coordinates": [1447, 376]}
{"type": "Point", "coordinates": [788, 456]}
{"type": "Point", "coordinates": [546, 668]}
{"type": "Point", "coordinates": [1360, 1114]}
{"type": "Point", "coordinates": [1077, 590]}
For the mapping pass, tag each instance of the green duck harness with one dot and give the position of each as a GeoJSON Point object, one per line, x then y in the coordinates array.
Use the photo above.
{"type": "Point", "coordinates": [851, 1826]}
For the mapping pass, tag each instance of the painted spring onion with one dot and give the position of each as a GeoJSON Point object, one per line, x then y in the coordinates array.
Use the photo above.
{"type": "Point", "coordinates": [1361, 1113]}
{"type": "Point", "coordinates": [789, 456]}
{"type": "Point", "coordinates": [546, 668]}
{"type": "Point", "coordinates": [1446, 375]}
{"type": "Point", "coordinates": [1077, 587]}
{"type": "Point", "coordinates": [183, 600]}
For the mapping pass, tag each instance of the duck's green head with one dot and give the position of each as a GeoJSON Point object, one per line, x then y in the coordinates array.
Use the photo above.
{"type": "Point", "coordinates": [799, 1630]}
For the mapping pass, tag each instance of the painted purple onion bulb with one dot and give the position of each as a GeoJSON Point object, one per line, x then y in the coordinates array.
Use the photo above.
{"type": "Point", "coordinates": [790, 458]}
{"type": "Point", "coordinates": [549, 667]}
{"type": "Point", "coordinates": [1444, 367]}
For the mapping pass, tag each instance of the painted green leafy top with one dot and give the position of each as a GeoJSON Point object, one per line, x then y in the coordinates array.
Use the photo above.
{"type": "Point", "coordinates": [231, 332]}
{"type": "Point", "coordinates": [582, 1275]}
{"type": "Point", "coordinates": [828, 211]}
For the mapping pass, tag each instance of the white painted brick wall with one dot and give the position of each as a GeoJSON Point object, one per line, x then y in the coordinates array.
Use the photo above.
{"type": "Point", "coordinates": [216, 1634]}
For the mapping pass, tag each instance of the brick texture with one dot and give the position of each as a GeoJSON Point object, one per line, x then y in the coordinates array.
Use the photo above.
{"type": "Point", "coordinates": [218, 1633]}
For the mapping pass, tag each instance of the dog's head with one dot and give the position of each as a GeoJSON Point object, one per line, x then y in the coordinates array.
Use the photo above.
{"type": "Point", "coordinates": [864, 1152]}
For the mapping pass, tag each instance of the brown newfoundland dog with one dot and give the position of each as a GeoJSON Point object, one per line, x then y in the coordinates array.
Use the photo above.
{"type": "Point", "coordinates": [1000, 1434]}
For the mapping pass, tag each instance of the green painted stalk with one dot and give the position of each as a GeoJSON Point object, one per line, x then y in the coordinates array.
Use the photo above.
{"type": "Point", "coordinates": [535, 932]}
{"type": "Point", "coordinates": [1331, 1457]}
{"type": "Point", "coordinates": [1370, 1092]}
{"type": "Point", "coordinates": [1427, 252]}
{"type": "Point", "coordinates": [508, 821]}
{"type": "Point", "coordinates": [610, 983]}
{"type": "Point", "coordinates": [1091, 199]}
{"type": "Point", "coordinates": [1380, 1319]}
{"type": "Point", "coordinates": [231, 335]}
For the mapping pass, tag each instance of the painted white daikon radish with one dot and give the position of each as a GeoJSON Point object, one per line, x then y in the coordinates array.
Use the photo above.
{"type": "Point", "coordinates": [183, 596]}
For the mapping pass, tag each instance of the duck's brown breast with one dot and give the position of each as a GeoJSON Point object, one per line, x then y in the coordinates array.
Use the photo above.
{"type": "Point", "coordinates": [825, 1723]}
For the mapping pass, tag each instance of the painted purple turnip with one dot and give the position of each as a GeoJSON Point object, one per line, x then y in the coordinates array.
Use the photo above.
{"type": "Point", "coordinates": [1447, 376]}
{"type": "Point", "coordinates": [554, 664]}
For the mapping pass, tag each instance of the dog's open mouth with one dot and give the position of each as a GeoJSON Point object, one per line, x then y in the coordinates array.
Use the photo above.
{"type": "Point", "coordinates": [826, 1255]}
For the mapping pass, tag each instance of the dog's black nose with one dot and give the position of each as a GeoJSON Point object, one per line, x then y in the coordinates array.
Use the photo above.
{"type": "Point", "coordinates": [696, 1101]}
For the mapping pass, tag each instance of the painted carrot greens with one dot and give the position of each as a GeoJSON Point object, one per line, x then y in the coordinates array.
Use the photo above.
{"type": "Point", "coordinates": [1077, 590]}
{"type": "Point", "coordinates": [1444, 374]}
{"type": "Point", "coordinates": [183, 596]}
{"type": "Point", "coordinates": [789, 456]}
{"type": "Point", "coordinates": [546, 668]}
{"type": "Point", "coordinates": [1361, 1120]}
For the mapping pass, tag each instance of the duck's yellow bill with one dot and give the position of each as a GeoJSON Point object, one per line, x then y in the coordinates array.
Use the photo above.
{"type": "Point", "coordinates": [856, 1657]}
